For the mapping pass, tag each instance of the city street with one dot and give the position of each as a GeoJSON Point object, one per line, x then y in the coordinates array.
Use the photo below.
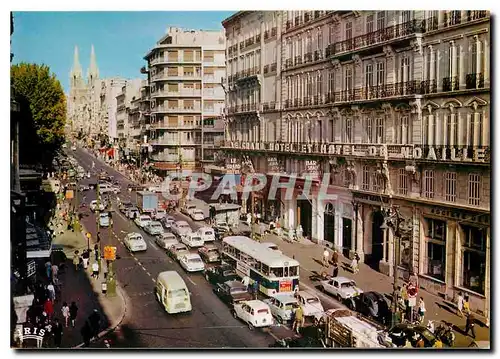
{"type": "Point", "coordinates": [209, 325]}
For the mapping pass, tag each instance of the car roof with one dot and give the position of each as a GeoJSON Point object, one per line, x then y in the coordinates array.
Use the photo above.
{"type": "Point", "coordinates": [181, 222]}
{"type": "Point", "coordinates": [256, 304]}
{"type": "Point", "coordinates": [205, 228]}
{"type": "Point", "coordinates": [134, 234]}
{"type": "Point", "coordinates": [155, 222]}
{"type": "Point", "coordinates": [269, 244]}
{"type": "Point", "coordinates": [209, 246]}
{"type": "Point", "coordinates": [144, 215]}
{"type": "Point", "coordinates": [234, 284]}
{"type": "Point", "coordinates": [192, 255]}
{"type": "Point", "coordinates": [305, 294]}
{"type": "Point", "coordinates": [285, 298]}
{"type": "Point", "coordinates": [342, 279]}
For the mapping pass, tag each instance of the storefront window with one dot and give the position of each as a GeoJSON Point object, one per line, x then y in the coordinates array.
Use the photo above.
{"type": "Point", "coordinates": [436, 248]}
{"type": "Point", "coordinates": [473, 259]}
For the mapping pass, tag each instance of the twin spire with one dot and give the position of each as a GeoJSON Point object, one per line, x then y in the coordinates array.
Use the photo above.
{"type": "Point", "coordinates": [76, 70]}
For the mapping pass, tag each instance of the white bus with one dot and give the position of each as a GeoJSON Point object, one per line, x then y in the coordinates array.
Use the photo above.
{"type": "Point", "coordinates": [273, 271]}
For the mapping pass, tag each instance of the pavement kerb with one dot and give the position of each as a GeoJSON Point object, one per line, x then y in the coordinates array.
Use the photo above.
{"type": "Point", "coordinates": [117, 322]}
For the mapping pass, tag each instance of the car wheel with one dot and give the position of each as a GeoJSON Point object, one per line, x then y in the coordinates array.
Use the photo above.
{"type": "Point", "coordinates": [207, 278]}
{"type": "Point", "coordinates": [235, 315]}
{"type": "Point", "coordinates": [250, 326]}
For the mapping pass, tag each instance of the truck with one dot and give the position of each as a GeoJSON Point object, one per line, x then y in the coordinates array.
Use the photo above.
{"type": "Point", "coordinates": [344, 328]}
{"type": "Point", "coordinates": [147, 202]}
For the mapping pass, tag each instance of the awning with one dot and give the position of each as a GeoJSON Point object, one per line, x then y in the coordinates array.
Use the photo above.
{"type": "Point", "coordinates": [38, 243]}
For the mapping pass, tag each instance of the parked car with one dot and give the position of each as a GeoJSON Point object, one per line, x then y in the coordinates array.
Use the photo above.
{"type": "Point", "coordinates": [104, 220]}
{"type": "Point", "coordinates": [222, 227]}
{"type": "Point", "coordinates": [207, 234]}
{"type": "Point", "coordinates": [209, 253]}
{"type": "Point", "coordinates": [220, 274]}
{"type": "Point", "coordinates": [135, 243]}
{"type": "Point", "coordinates": [340, 287]}
{"type": "Point", "coordinates": [124, 206]}
{"type": "Point", "coordinates": [401, 332]}
{"type": "Point", "coordinates": [83, 188]}
{"type": "Point", "coordinates": [191, 262]}
{"type": "Point", "coordinates": [232, 292]}
{"type": "Point", "coordinates": [167, 221]}
{"type": "Point", "coordinates": [180, 228]}
{"type": "Point", "coordinates": [159, 214]}
{"type": "Point", "coordinates": [116, 189]}
{"type": "Point", "coordinates": [253, 312]}
{"type": "Point", "coordinates": [153, 228]}
{"type": "Point", "coordinates": [192, 240]}
{"type": "Point", "coordinates": [133, 212]}
{"type": "Point", "coordinates": [93, 206]}
{"type": "Point", "coordinates": [177, 250]}
{"type": "Point", "coordinates": [282, 306]}
{"type": "Point", "coordinates": [197, 214]}
{"type": "Point", "coordinates": [166, 239]}
{"type": "Point", "coordinates": [370, 304]}
{"type": "Point", "coordinates": [272, 246]}
{"type": "Point", "coordinates": [187, 209]}
{"type": "Point", "coordinates": [142, 220]}
{"type": "Point", "coordinates": [310, 303]}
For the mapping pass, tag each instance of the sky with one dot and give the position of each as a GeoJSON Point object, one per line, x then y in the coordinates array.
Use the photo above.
{"type": "Point", "coordinates": [120, 39]}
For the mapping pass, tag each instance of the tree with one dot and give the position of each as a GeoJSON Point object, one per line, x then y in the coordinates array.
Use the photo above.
{"type": "Point", "coordinates": [42, 115]}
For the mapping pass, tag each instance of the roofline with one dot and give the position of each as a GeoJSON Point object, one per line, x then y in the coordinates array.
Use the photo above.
{"type": "Point", "coordinates": [234, 17]}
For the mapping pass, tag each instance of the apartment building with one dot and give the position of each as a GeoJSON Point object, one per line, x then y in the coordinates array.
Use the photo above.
{"type": "Point", "coordinates": [395, 107]}
{"type": "Point", "coordinates": [129, 92]}
{"type": "Point", "coordinates": [185, 68]}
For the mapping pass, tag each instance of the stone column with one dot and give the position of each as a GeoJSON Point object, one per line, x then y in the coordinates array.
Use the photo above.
{"type": "Point", "coordinates": [444, 128]}
{"type": "Point", "coordinates": [486, 129]}
{"type": "Point", "coordinates": [432, 69]}
{"type": "Point", "coordinates": [486, 64]}
{"type": "Point", "coordinates": [467, 132]}
{"type": "Point", "coordinates": [478, 60]}
{"type": "Point", "coordinates": [339, 228]}
{"type": "Point", "coordinates": [476, 136]}
{"type": "Point", "coordinates": [384, 244]}
{"type": "Point", "coordinates": [453, 63]}
{"type": "Point", "coordinates": [439, 83]}
{"type": "Point", "coordinates": [461, 68]}
{"type": "Point", "coordinates": [320, 231]}
{"type": "Point", "coordinates": [360, 235]}
{"type": "Point", "coordinates": [426, 56]}
{"type": "Point", "coordinates": [439, 137]}
{"type": "Point", "coordinates": [430, 126]}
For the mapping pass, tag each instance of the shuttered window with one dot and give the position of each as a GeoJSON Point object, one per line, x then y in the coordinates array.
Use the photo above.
{"type": "Point", "coordinates": [173, 71]}
{"type": "Point", "coordinates": [188, 55]}
{"type": "Point", "coordinates": [450, 186]}
{"type": "Point", "coordinates": [173, 121]}
{"type": "Point", "coordinates": [172, 104]}
{"type": "Point", "coordinates": [474, 195]}
{"type": "Point", "coordinates": [173, 87]}
{"type": "Point", "coordinates": [173, 55]}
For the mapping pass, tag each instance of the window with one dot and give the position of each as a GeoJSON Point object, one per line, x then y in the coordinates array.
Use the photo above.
{"type": "Point", "coordinates": [380, 73]}
{"type": "Point", "coordinates": [475, 129]}
{"type": "Point", "coordinates": [404, 130]}
{"type": "Point", "coordinates": [405, 69]}
{"type": "Point", "coordinates": [380, 130]}
{"type": "Point", "coordinates": [405, 17]}
{"type": "Point", "coordinates": [348, 130]}
{"type": "Point", "coordinates": [451, 130]}
{"type": "Point", "coordinates": [474, 192]}
{"type": "Point", "coordinates": [403, 182]}
{"type": "Point", "coordinates": [365, 185]}
{"type": "Point", "coordinates": [450, 186]}
{"type": "Point", "coordinates": [331, 81]}
{"type": "Point", "coordinates": [428, 184]}
{"type": "Point", "coordinates": [369, 24]}
{"type": "Point", "coordinates": [436, 248]}
{"type": "Point", "coordinates": [331, 34]}
{"type": "Point", "coordinates": [473, 258]}
{"type": "Point", "coordinates": [380, 20]}
{"type": "Point", "coordinates": [320, 39]}
{"type": "Point", "coordinates": [377, 182]}
{"type": "Point", "coordinates": [348, 79]}
{"type": "Point", "coordinates": [368, 75]}
{"type": "Point", "coordinates": [369, 130]}
{"type": "Point", "coordinates": [309, 43]}
{"type": "Point", "coordinates": [348, 30]}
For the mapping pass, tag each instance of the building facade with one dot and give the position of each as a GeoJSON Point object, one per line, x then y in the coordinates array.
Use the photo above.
{"type": "Point", "coordinates": [187, 99]}
{"type": "Point", "coordinates": [124, 119]}
{"type": "Point", "coordinates": [394, 107]}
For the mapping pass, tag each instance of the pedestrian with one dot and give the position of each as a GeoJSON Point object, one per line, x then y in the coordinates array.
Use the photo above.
{"type": "Point", "coordinates": [421, 309]}
{"type": "Point", "coordinates": [255, 289]}
{"type": "Point", "coordinates": [335, 270]}
{"type": "Point", "coordinates": [55, 272]}
{"type": "Point", "coordinates": [460, 304]}
{"type": "Point", "coordinates": [96, 247]}
{"type": "Point", "coordinates": [335, 257]}
{"type": "Point", "coordinates": [86, 332]}
{"type": "Point", "coordinates": [86, 258]}
{"type": "Point", "coordinates": [57, 330]}
{"type": "Point", "coordinates": [73, 312]}
{"type": "Point", "coordinates": [95, 270]}
{"type": "Point", "coordinates": [466, 308]}
{"type": "Point", "coordinates": [52, 292]}
{"type": "Point", "coordinates": [76, 260]}
{"type": "Point", "coordinates": [246, 281]}
{"type": "Point", "coordinates": [48, 269]}
{"type": "Point", "coordinates": [326, 255]}
{"type": "Point", "coordinates": [354, 265]}
{"type": "Point", "coordinates": [95, 323]}
{"type": "Point", "coordinates": [65, 313]}
{"type": "Point", "coordinates": [469, 325]}
{"type": "Point", "coordinates": [48, 308]}
{"type": "Point", "coordinates": [298, 319]}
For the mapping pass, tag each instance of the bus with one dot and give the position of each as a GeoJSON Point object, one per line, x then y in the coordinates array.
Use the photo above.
{"type": "Point", "coordinates": [273, 271]}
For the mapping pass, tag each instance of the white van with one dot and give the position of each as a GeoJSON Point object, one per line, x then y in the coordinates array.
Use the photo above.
{"type": "Point", "coordinates": [172, 292]}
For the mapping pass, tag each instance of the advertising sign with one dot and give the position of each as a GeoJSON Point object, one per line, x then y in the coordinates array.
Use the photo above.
{"type": "Point", "coordinates": [109, 253]}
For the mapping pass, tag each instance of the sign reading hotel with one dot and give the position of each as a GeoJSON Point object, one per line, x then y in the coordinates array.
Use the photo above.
{"type": "Point", "coordinates": [233, 165]}
{"type": "Point", "coordinates": [467, 154]}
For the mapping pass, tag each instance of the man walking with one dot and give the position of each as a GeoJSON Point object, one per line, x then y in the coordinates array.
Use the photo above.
{"type": "Point", "coordinates": [57, 329]}
{"type": "Point", "coordinates": [460, 304]}
{"type": "Point", "coordinates": [469, 325]}
{"type": "Point", "coordinates": [335, 257]}
{"type": "Point", "coordinates": [326, 255]}
{"type": "Point", "coordinates": [95, 270]}
{"type": "Point", "coordinates": [73, 312]}
{"type": "Point", "coordinates": [95, 323]}
{"type": "Point", "coordinates": [298, 320]}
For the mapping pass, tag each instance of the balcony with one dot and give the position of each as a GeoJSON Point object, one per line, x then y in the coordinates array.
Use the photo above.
{"type": "Point", "coordinates": [297, 21]}
{"type": "Point", "coordinates": [318, 55]}
{"type": "Point", "coordinates": [431, 24]}
{"type": "Point", "coordinates": [288, 63]}
{"type": "Point", "coordinates": [249, 73]}
{"type": "Point", "coordinates": [308, 57]}
{"type": "Point", "coordinates": [317, 14]}
{"type": "Point", "coordinates": [274, 31]}
{"type": "Point", "coordinates": [177, 109]}
{"type": "Point", "coordinates": [428, 86]}
{"type": "Point", "coordinates": [274, 67]}
{"type": "Point", "coordinates": [257, 39]}
{"type": "Point", "coordinates": [269, 106]}
{"type": "Point", "coordinates": [476, 15]}
{"type": "Point", "coordinates": [378, 37]}
{"type": "Point", "coordinates": [288, 25]}
{"type": "Point", "coordinates": [474, 81]}
{"type": "Point", "coordinates": [399, 89]}
{"type": "Point", "coordinates": [298, 60]}
{"type": "Point", "coordinates": [182, 93]}
{"type": "Point", "coordinates": [266, 69]}
{"type": "Point", "coordinates": [242, 45]}
{"type": "Point", "coordinates": [266, 34]}
{"type": "Point", "coordinates": [452, 18]}
{"type": "Point", "coordinates": [307, 17]}
{"type": "Point", "coordinates": [160, 157]}
{"type": "Point", "coordinates": [329, 50]}
{"type": "Point", "coordinates": [450, 84]}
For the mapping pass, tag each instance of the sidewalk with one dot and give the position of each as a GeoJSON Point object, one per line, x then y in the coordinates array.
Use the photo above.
{"type": "Point", "coordinates": [309, 255]}
{"type": "Point", "coordinates": [79, 287]}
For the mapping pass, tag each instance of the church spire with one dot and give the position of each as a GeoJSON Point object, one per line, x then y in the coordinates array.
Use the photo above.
{"type": "Point", "coordinates": [93, 72]}
{"type": "Point", "coordinates": [76, 70]}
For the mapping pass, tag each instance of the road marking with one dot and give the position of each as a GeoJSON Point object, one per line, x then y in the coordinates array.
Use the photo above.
{"type": "Point", "coordinates": [153, 280]}
{"type": "Point", "coordinates": [189, 279]}
{"type": "Point", "coordinates": [140, 264]}
{"type": "Point", "coordinates": [148, 273]}
{"type": "Point", "coordinates": [135, 258]}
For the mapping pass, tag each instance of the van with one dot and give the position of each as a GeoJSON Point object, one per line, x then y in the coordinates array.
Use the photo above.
{"type": "Point", "coordinates": [172, 293]}
{"type": "Point", "coordinates": [105, 188]}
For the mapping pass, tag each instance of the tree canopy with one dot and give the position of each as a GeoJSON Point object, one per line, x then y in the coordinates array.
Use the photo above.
{"type": "Point", "coordinates": [42, 115]}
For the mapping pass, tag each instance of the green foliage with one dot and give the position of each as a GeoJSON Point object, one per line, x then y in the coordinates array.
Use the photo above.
{"type": "Point", "coordinates": [42, 113]}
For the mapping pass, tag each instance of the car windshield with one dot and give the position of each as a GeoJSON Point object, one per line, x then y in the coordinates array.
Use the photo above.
{"type": "Point", "coordinates": [156, 225]}
{"type": "Point", "coordinates": [196, 238]}
{"type": "Point", "coordinates": [135, 238]}
{"type": "Point", "coordinates": [291, 306]}
{"type": "Point", "coordinates": [227, 273]}
{"type": "Point", "coordinates": [348, 285]}
{"type": "Point", "coordinates": [263, 311]}
{"type": "Point", "coordinates": [194, 260]}
{"type": "Point", "coordinates": [312, 300]}
{"type": "Point", "coordinates": [104, 215]}
{"type": "Point", "coordinates": [198, 211]}
{"type": "Point", "coordinates": [238, 290]}
{"type": "Point", "coordinates": [208, 233]}
{"type": "Point", "coordinates": [145, 218]}
{"type": "Point", "coordinates": [212, 251]}
{"type": "Point", "coordinates": [181, 248]}
{"type": "Point", "coordinates": [177, 293]}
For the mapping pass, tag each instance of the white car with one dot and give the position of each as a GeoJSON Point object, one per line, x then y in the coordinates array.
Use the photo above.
{"type": "Point", "coordinates": [177, 250]}
{"type": "Point", "coordinates": [135, 243]}
{"type": "Point", "coordinates": [154, 228]}
{"type": "Point", "coordinates": [206, 233]}
{"type": "Point", "coordinates": [159, 214]}
{"type": "Point", "coordinates": [104, 219]}
{"type": "Point", "coordinates": [167, 221]}
{"type": "Point", "coordinates": [132, 212]}
{"type": "Point", "coordinates": [166, 239]}
{"type": "Point", "coordinates": [341, 287]}
{"type": "Point", "coordinates": [192, 240]}
{"type": "Point", "coordinates": [310, 303]}
{"type": "Point", "coordinates": [142, 220]}
{"type": "Point", "coordinates": [197, 215]}
{"type": "Point", "coordinates": [209, 253]}
{"type": "Point", "coordinates": [192, 262]}
{"type": "Point", "coordinates": [282, 306]}
{"type": "Point", "coordinates": [180, 228]}
{"type": "Point", "coordinates": [187, 209]}
{"type": "Point", "coordinates": [255, 313]}
{"type": "Point", "coordinates": [272, 246]}
{"type": "Point", "coordinates": [93, 206]}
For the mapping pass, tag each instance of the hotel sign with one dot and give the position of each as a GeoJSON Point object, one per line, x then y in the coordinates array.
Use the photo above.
{"type": "Point", "coordinates": [410, 152]}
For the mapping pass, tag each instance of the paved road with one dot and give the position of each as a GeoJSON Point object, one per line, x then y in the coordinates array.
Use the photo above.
{"type": "Point", "coordinates": [209, 325]}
